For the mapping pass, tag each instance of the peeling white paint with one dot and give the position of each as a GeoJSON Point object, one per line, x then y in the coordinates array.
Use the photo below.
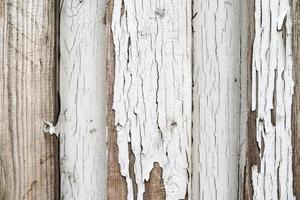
{"type": "Point", "coordinates": [218, 95]}
{"type": "Point", "coordinates": [81, 124]}
{"type": "Point", "coordinates": [272, 71]}
{"type": "Point", "coordinates": [152, 91]}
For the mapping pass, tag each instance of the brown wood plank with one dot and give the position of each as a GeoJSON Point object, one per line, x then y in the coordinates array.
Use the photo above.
{"type": "Point", "coordinates": [252, 148]}
{"type": "Point", "coordinates": [117, 187]}
{"type": "Point", "coordinates": [28, 157]}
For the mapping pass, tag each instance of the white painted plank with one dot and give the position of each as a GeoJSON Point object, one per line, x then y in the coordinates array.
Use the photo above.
{"type": "Point", "coordinates": [152, 92]}
{"type": "Point", "coordinates": [272, 68]}
{"type": "Point", "coordinates": [81, 124]}
{"type": "Point", "coordinates": [218, 126]}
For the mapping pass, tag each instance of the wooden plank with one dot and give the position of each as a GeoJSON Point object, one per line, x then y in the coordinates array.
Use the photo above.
{"type": "Point", "coordinates": [81, 125]}
{"type": "Point", "coordinates": [252, 147]}
{"type": "Point", "coordinates": [269, 171]}
{"type": "Point", "coordinates": [28, 157]}
{"type": "Point", "coordinates": [296, 99]}
{"type": "Point", "coordinates": [151, 99]}
{"type": "Point", "coordinates": [116, 183]}
{"type": "Point", "coordinates": [218, 100]}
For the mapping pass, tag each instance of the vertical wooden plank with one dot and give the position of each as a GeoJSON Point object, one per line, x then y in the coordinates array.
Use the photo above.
{"type": "Point", "coordinates": [296, 99]}
{"type": "Point", "coordinates": [116, 183]}
{"type": "Point", "coordinates": [27, 98]}
{"type": "Point", "coordinates": [217, 101]}
{"type": "Point", "coordinates": [269, 155]}
{"type": "Point", "coordinates": [252, 146]}
{"type": "Point", "coordinates": [152, 98]}
{"type": "Point", "coordinates": [81, 125]}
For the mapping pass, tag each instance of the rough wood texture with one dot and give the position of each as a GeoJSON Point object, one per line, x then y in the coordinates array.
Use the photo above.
{"type": "Point", "coordinates": [154, 188]}
{"type": "Point", "coordinates": [27, 98]}
{"type": "Point", "coordinates": [152, 93]}
{"type": "Point", "coordinates": [296, 99]}
{"type": "Point", "coordinates": [271, 100]}
{"type": "Point", "coordinates": [217, 99]}
{"type": "Point", "coordinates": [116, 183]}
{"type": "Point", "coordinates": [81, 126]}
{"type": "Point", "coordinates": [252, 147]}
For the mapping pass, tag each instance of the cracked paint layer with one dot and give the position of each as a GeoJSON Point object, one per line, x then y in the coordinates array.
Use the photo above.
{"type": "Point", "coordinates": [272, 91]}
{"type": "Point", "coordinates": [81, 125]}
{"type": "Point", "coordinates": [217, 99]}
{"type": "Point", "coordinates": [152, 91]}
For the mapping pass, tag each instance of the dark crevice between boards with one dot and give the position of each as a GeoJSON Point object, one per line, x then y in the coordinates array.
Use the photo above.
{"type": "Point", "coordinates": [57, 99]}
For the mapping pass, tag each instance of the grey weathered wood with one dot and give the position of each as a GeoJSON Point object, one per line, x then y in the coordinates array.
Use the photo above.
{"type": "Point", "coordinates": [28, 157]}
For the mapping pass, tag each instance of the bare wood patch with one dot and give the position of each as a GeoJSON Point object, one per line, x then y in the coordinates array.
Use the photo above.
{"type": "Point", "coordinates": [154, 188]}
{"type": "Point", "coordinates": [117, 187]}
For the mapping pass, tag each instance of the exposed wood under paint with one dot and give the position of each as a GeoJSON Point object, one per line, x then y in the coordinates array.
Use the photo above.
{"type": "Point", "coordinates": [28, 157]}
{"type": "Point", "coordinates": [116, 183]}
{"type": "Point", "coordinates": [152, 94]}
{"type": "Point", "coordinates": [154, 188]}
{"type": "Point", "coordinates": [252, 147]}
{"type": "Point", "coordinates": [271, 100]}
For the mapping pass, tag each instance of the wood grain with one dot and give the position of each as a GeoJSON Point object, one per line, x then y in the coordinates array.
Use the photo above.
{"type": "Point", "coordinates": [154, 188]}
{"type": "Point", "coordinates": [28, 157]}
{"type": "Point", "coordinates": [117, 187]}
{"type": "Point", "coordinates": [268, 173]}
{"type": "Point", "coordinates": [81, 124]}
{"type": "Point", "coordinates": [149, 105]}
{"type": "Point", "coordinates": [252, 147]}
{"type": "Point", "coordinates": [217, 99]}
{"type": "Point", "coordinates": [296, 99]}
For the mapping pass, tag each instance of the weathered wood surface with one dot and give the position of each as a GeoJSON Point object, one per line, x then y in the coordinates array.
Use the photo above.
{"type": "Point", "coordinates": [28, 157]}
{"type": "Point", "coordinates": [217, 99]}
{"type": "Point", "coordinates": [81, 125]}
{"type": "Point", "coordinates": [269, 171]}
{"type": "Point", "coordinates": [151, 99]}
{"type": "Point", "coordinates": [116, 183]}
{"type": "Point", "coordinates": [296, 99]}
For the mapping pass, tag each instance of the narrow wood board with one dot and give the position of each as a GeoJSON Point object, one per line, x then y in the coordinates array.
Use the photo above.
{"type": "Point", "coordinates": [269, 173]}
{"type": "Point", "coordinates": [81, 125]}
{"type": "Point", "coordinates": [296, 99]}
{"type": "Point", "coordinates": [116, 183]}
{"type": "Point", "coordinates": [141, 162]}
{"type": "Point", "coordinates": [218, 92]}
{"type": "Point", "coordinates": [28, 156]}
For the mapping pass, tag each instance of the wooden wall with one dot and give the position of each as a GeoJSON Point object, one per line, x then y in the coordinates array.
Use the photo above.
{"type": "Point", "coordinates": [149, 99]}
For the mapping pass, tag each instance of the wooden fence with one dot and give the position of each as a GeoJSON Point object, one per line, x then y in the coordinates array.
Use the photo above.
{"type": "Point", "coordinates": [154, 100]}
